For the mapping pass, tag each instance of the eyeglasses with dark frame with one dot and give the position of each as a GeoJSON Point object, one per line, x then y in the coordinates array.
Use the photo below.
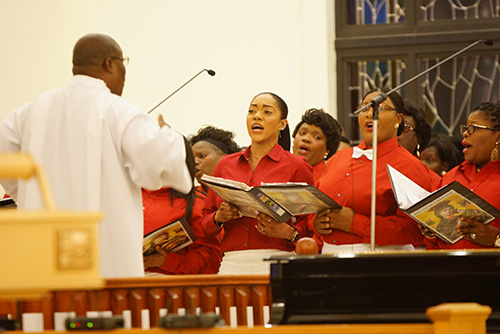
{"type": "Point", "coordinates": [125, 60]}
{"type": "Point", "coordinates": [381, 108]}
{"type": "Point", "coordinates": [471, 128]}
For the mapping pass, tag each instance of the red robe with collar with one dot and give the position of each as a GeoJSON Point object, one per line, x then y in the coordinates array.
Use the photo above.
{"type": "Point", "coordinates": [484, 183]}
{"type": "Point", "coordinates": [318, 170]}
{"type": "Point", "coordinates": [201, 257]}
{"type": "Point", "coordinates": [277, 166]}
{"type": "Point", "coordinates": [348, 181]}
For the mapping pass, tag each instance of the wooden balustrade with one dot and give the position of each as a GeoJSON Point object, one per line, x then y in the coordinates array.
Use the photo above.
{"type": "Point", "coordinates": [192, 293]}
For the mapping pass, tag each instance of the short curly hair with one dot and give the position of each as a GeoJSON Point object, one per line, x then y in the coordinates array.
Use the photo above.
{"type": "Point", "coordinates": [223, 139]}
{"type": "Point", "coordinates": [329, 125]}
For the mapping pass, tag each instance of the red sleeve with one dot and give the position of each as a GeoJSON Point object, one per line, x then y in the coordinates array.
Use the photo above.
{"type": "Point", "coordinates": [398, 227]}
{"type": "Point", "coordinates": [347, 181]}
{"type": "Point", "coordinates": [210, 208]}
{"type": "Point", "coordinates": [303, 174]}
{"type": "Point", "coordinates": [482, 185]}
{"type": "Point", "coordinates": [431, 243]}
{"type": "Point", "coordinates": [201, 257]}
{"type": "Point", "coordinates": [316, 236]}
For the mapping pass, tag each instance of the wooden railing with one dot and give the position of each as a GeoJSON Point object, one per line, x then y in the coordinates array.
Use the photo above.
{"type": "Point", "coordinates": [244, 300]}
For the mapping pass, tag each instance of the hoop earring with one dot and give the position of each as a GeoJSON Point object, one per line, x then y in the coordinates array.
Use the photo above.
{"type": "Point", "coordinates": [494, 152]}
{"type": "Point", "coordinates": [418, 150]}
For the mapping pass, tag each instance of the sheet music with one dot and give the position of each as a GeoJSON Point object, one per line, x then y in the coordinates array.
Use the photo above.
{"type": "Point", "coordinates": [405, 190]}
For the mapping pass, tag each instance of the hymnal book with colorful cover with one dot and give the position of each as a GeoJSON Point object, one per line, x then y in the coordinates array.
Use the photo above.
{"type": "Point", "coordinates": [441, 210]}
{"type": "Point", "coordinates": [280, 201]}
{"type": "Point", "coordinates": [171, 237]}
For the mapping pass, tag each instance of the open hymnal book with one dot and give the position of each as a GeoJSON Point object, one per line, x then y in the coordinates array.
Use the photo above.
{"type": "Point", "coordinates": [171, 237]}
{"type": "Point", "coordinates": [7, 203]}
{"type": "Point", "coordinates": [280, 201]}
{"type": "Point", "coordinates": [441, 210]}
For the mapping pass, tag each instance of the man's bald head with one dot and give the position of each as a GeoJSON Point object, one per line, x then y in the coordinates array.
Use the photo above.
{"type": "Point", "coordinates": [94, 55]}
{"type": "Point", "coordinates": [92, 49]}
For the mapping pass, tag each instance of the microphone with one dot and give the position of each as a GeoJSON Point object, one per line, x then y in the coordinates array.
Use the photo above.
{"type": "Point", "coordinates": [380, 98]}
{"type": "Point", "coordinates": [210, 72]}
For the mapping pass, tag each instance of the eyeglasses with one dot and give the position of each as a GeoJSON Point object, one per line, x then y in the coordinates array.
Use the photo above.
{"type": "Point", "coordinates": [125, 60]}
{"type": "Point", "coordinates": [408, 127]}
{"type": "Point", "coordinates": [471, 128]}
{"type": "Point", "coordinates": [381, 108]}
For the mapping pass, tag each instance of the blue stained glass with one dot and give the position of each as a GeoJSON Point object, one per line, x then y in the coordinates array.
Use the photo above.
{"type": "Point", "coordinates": [380, 8]}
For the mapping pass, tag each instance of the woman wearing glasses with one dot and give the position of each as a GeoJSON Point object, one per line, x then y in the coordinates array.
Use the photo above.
{"type": "Point", "coordinates": [417, 131]}
{"type": "Point", "coordinates": [347, 181]}
{"type": "Point", "coordinates": [479, 172]}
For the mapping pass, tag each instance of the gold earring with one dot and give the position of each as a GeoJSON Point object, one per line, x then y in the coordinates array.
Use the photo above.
{"type": "Point", "coordinates": [494, 152]}
{"type": "Point", "coordinates": [396, 126]}
{"type": "Point", "coordinates": [418, 150]}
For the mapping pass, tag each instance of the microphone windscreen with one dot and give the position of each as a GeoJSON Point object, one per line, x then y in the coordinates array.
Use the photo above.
{"type": "Point", "coordinates": [211, 72]}
{"type": "Point", "coordinates": [488, 42]}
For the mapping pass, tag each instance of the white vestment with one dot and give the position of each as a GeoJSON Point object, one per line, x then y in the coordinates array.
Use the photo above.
{"type": "Point", "coordinates": [97, 151]}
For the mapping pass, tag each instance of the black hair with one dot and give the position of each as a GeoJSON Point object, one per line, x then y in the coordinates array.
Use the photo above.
{"type": "Point", "coordinates": [190, 196]}
{"type": "Point", "coordinates": [284, 137]}
{"type": "Point", "coordinates": [423, 128]}
{"type": "Point", "coordinates": [446, 149]}
{"type": "Point", "coordinates": [223, 139]}
{"type": "Point", "coordinates": [329, 125]}
{"type": "Point", "coordinates": [396, 99]}
{"type": "Point", "coordinates": [492, 110]}
{"type": "Point", "coordinates": [459, 148]}
{"type": "Point", "coordinates": [346, 140]}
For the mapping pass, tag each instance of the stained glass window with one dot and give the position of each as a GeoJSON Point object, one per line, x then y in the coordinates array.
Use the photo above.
{"type": "Point", "coordinates": [407, 37]}
{"type": "Point", "coordinates": [433, 10]}
{"type": "Point", "coordinates": [451, 91]}
{"type": "Point", "coordinates": [363, 12]}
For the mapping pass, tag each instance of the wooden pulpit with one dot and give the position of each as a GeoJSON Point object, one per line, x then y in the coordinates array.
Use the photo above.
{"type": "Point", "coordinates": [43, 250]}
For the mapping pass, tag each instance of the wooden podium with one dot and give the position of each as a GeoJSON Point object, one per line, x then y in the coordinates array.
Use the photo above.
{"type": "Point", "coordinates": [46, 249]}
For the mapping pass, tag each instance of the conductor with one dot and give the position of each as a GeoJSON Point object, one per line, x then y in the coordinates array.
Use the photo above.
{"type": "Point", "coordinates": [97, 150]}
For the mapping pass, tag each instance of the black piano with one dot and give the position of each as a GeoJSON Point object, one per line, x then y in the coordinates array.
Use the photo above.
{"type": "Point", "coordinates": [375, 287]}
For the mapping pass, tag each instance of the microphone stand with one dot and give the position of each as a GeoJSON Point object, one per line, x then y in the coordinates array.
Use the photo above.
{"type": "Point", "coordinates": [374, 103]}
{"type": "Point", "coordinates": [211, 72]}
